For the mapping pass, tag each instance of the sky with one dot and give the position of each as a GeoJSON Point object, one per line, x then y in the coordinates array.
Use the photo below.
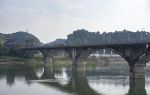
{"type": "Point", "coordinates": [52, 19]}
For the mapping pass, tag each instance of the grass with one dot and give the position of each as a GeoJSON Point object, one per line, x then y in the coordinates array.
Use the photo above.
{"type": "Point", "coordinates": [57, 61]}
{"type": "Point", "coordinates": [10, 58]}
{"type": "Point", "coordinates": [37, 61]}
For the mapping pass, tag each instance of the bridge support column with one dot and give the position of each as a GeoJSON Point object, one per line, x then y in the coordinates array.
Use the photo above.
{"type": "Point", "coordinates": [137, 87]}
{"type": "Point", "coordinates": [74, 59]}
{"type": "Point", "coordinates": [48, 60]}
{"type": "Point", "coordinates": [48, 72]}
{"type": "Point", "coordinates": [137, 71]}
{"type": "Point", "coordinates": [47, 57]}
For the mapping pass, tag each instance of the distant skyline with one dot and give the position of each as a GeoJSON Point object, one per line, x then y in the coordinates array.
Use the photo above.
{"type": "Point", "coordinates": [52, 19]}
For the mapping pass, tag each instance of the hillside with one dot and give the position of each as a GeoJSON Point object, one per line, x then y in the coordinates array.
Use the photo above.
{"type": "Point", "coordinates": [3, 38]}
{"type": "Point", "coordinates": [19, 38]}
{"type": "Point", "coordinates": [85, 37]}
{"type": "Point", "coordinates": [57, 42]}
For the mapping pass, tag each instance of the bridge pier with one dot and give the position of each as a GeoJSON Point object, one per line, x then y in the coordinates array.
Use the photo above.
{"type": "Point", "coordinates": [137, 71]}
{"type": "Point", "coordinates": [74, 59]}
{"type": "Point", "coordinates": [48, 60]}
{"type": "Point", "coordinates": [47, 56]}
{"type": "Point", "coordinates": [48, 72]}
{"type": "Point", "coordinates": [137, 87]}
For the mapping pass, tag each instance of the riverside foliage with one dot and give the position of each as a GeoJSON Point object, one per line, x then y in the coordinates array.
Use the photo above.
{"type": "Point", "coordinates": [85, 37]}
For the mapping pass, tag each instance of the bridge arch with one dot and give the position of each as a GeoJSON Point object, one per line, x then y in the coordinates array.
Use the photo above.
{"type": "Point", "coordinates": [86, 53]}
{"type": "Point", "coordinates": [132, 54]}
{"type": "Point", "coordinates": [145, 58]}
{"type": "Point", "coordinates": [50, 53]}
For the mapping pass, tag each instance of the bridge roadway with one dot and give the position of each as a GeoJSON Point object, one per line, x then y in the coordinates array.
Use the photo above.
{"type": "Point", "coordinates": [137, 54]}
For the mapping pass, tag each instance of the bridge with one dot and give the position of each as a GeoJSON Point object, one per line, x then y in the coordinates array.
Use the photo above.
{"type": "Point", "coordinates": [137, 54]}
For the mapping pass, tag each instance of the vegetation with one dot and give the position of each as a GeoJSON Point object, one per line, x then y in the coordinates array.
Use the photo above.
{"type": "Point", "coordinates": [85, 37]}
{"type": "Point", "coordinates": [22, 39]}
{"type": "Point", "coordinates": [10, 58]}
{"type": "Point", "coordinates": [36, 61]}
{"type": "Point", "coordinates": [10, 43]}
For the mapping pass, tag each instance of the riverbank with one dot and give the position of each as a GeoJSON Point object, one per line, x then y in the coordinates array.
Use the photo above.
{"type": "Point", "coordinates": [10, 60]}
{"type": "Point", "coordinates": [61, 61]}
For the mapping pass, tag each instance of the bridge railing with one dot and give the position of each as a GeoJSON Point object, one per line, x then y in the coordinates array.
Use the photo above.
{"type": "Point", "coordinates": [88, 44]}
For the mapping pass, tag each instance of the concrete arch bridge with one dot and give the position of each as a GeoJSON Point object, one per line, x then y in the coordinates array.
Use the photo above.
{"type": "Point", "coordinates": [137, 54]}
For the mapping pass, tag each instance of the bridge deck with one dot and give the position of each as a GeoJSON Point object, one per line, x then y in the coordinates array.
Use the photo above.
{"type": "Point", "coordinates": [88, 45]}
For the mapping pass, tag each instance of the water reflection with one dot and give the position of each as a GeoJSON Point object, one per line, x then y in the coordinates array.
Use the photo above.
{"type": "Point", "coordinates": [39, 71]}
{"type": "Point", "coordinates": [65, 81]}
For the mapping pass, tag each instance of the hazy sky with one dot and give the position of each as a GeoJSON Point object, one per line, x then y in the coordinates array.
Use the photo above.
{"type": "Point", "coordinates": [51, 19]}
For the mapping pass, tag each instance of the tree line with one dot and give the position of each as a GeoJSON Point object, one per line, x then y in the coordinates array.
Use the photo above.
{"type": "Point", "coordinates": [85, 37]}
{"type": "Point", "coordinates": [10, 44]}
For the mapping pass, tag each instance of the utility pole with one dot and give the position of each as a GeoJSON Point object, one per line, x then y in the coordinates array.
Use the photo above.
{"type": "Point", "coordinates": [109, 37]}
{"type": "Point", "coordinates": [27, 30]}
{"type": "Point", "coordinates": [128, 37]}
{"type": "Point", "coordinates": [142, 34]}
{"type": "Point", "coordinates": [104, 40]}
{"type": "Point", "coordinates": [27, 38]}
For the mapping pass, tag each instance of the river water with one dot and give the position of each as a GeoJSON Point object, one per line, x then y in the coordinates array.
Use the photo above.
{"type": "Point", "coordinates": [90, 80]}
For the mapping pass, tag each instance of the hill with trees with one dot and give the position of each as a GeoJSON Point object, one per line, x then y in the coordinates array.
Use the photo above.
{"type": "Point", "coordinates": [9, 43]}
{"type": "Point", "coordinates": [56, 42]}
{"type": "Point", "coordinates": [22, 39]}
{"type": "Point", "coordinates": [85, 37]}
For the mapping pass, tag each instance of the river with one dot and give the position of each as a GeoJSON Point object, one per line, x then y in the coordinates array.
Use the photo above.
{"type": "Point", "coordinates": [90, 80]}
